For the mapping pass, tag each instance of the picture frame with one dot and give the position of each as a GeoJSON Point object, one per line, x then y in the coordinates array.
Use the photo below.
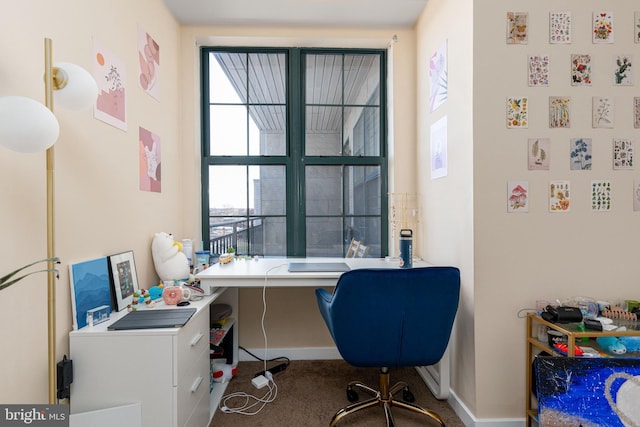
{"type": "Point", "coordinates": [124, 278]}
{"type": "Point", "coordinates": [90, 288]}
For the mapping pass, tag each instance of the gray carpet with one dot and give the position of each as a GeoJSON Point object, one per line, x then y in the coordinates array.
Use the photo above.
{"type": "Point", "coordinates": [310, 392]}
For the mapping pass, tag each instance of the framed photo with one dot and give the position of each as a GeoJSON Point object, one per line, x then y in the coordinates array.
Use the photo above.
{"type": "Point", "coordinates": [124, 278]}
{"type": "Point", "coordinates": [89, 288]}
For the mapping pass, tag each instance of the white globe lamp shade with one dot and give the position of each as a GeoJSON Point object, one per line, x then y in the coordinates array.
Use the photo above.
{"type": "Point", "coordinates": [79, 90]}
{"type": "Point", "coordinates": [26, 126]}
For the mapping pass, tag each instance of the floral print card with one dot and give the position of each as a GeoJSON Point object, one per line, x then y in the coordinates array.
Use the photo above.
{"type": "Point", "coordinates": [517, 28]}
{"type": "Point", "coordinates": [600, 195]}
{"type": "Point", "coordinates": [636, 27]}
{"type": "Point", "coordinates": [560, 27]}
{"type": "Point", "coordinates": [539, 154]}
{"type": "Point", "coordinates": [580, 70]}
{"type": "Point", "coordinates": [580, 155]}
{"type": "Point", "coordinates": [622, 153]}
{"type": "Point", "coordinates": [602, 112]}
{"type": "Point", "coordinates": [622, 70]}
{"type": "Point", "coordinates": [539, 70]}
{"type": "Point", "coordinates": [636, 195]}
{"type": "Point", "coordinates": [559, 111]}
{"type": "Point", "coordinates": [517, 112]}
{"type": "Point", "coordinates": [517, 196]}
{"type": "Point", "coordinates": [602, 27]}
{"type": "Point", "coordinates": [636, 112]}
{"type": "Point", "coordinates": [559, 200]}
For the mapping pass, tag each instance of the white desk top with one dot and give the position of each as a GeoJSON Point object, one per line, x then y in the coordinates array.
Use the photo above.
{"type": "Point", "coordinates": [273, 272]}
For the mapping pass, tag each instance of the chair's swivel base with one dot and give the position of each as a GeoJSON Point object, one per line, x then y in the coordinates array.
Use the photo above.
{"type": "Point", "coordinates": [383, 398]}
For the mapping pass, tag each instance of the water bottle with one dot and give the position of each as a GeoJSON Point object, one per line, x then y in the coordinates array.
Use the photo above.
{"type": "Point", "coordinates": [406, 248]}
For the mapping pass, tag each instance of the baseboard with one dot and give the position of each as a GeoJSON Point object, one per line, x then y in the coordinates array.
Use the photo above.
{"type": "Point", "coordinates": [330, 353]}
{"type": "Point", "coordinates": [469, 420]}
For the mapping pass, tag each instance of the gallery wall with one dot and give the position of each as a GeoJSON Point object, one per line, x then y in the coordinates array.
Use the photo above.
{"type": "Point", "coordinates": [101, 206]}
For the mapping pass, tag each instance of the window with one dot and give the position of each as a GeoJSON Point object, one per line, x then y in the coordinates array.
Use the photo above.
{"type": "Point", "coordinates": [294, 151]}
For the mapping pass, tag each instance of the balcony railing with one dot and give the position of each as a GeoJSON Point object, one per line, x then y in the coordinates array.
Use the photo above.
{"type": "Point", "coordinates": [235, 234]}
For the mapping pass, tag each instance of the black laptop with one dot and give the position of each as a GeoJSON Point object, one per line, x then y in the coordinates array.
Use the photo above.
{"type": "Point", "coordinates": [151, 319]}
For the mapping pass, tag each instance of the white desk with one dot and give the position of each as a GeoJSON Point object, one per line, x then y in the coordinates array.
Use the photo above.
{"type": "Point", "coordinates": [273, 272]}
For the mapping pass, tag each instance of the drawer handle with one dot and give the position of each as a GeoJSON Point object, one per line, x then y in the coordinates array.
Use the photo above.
{"type": "Point", "coordinates": [196, 339]}
{"type": "Point", "coordinates": [196, 384]}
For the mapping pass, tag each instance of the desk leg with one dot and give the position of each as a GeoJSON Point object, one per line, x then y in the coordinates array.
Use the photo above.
{"type": "Point", "coordinates": [437, 376]}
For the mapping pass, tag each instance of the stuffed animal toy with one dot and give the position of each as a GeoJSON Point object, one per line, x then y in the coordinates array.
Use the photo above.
{"type": "Point", "coordinates": [223, 372]}
{"type": "Point", "coordinates": [170, 262]}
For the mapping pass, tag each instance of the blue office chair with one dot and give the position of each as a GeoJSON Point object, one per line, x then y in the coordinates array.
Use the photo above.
{"type": "Point", "coordinates": [388, 318]}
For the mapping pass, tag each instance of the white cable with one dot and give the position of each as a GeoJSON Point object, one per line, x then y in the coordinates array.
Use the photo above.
{"type": "Point", "coordinates": [250, 404]}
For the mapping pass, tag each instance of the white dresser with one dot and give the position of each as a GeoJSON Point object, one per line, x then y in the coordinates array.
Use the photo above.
{"type": "Point", "coordinates": [167, 370]}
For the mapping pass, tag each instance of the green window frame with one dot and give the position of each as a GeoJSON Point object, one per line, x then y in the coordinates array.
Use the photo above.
{"type": "Point", "coordinates": [360, 164]}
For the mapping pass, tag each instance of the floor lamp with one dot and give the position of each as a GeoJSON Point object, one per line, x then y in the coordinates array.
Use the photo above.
{"type": "Point", "coordinates": [30, 127]}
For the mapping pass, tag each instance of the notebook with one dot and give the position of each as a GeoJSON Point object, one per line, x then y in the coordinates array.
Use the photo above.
{"type": "Point", "coordinates": [298, 267]}
{"type": "Point", "coordinates": [150, 319]}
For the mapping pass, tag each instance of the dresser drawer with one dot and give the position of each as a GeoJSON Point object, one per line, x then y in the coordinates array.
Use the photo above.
{"type": "Point", "coordinates": [193, 387]}
{"type": "Point", "coordinates": [192, 341]}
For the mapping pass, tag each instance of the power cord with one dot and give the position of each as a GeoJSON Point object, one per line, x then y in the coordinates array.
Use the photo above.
{"type": "Point", "coordinates": [250, 404]}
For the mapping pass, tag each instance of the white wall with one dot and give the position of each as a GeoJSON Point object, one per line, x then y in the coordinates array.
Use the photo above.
{"type": "Point", "coordinates": [523, 257]}
{"type": "Point", "coordinates": [99, 207]}
{"type": "Point", "coordinates": [446, 234]}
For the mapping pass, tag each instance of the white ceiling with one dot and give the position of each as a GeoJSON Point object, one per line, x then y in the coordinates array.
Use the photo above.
{"type": "Point", "coordinates": [325, 13]}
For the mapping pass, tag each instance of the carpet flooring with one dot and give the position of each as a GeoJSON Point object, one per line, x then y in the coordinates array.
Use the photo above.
{"type": "Point", "coordinates": [310, 392]}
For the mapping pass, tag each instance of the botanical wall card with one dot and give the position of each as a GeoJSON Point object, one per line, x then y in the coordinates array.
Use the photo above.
{"type": "Point", "coordinates": [580, 70]}
{"type": "Point", "coordinates": [602, 27]}
{"type": "Point", "coordinates": [148, 64]}
{"type": "Point", "coordinates": [623, 70]}
{"type": "Point", "coordinates": [580, 155]}
{"type": "Point", "coordinates": [622, 153]}
{"type": "Point", "coordinates": [517, 196]}
{"type": "Point", "coordinates": [600, 195]}
{"type": "Point", "coordinates": [539, 154]}
{"type": "Point", "coordinates": [559, 200]}
{"type": "Point", "coordinates": [636, 195]}
{"type": "Point", "coordinates": [602, 108]}
{"type": "Point", "coordinates": [517, 112]}
{"type": "Point", "coordinates": [109, 73]}
{"type": "Point", "coordinates": [559, 111]}
{"type": "Point", "coordinates": [560, 27]}
{"type": "Point", "coordinates": [636, 27]}
{"type": "Point", "coordinates": [438, 78]}
{"type": "Point", "coordinates": [439, 167]}
{"type": "Point", "coordinates": [517, 27]}
{"type": "Point", "coordinates": [636, 112]}
{"type": "Point", "coordinates": [149, 155]}
{"type": "Point", "coordinates": [539, 70]}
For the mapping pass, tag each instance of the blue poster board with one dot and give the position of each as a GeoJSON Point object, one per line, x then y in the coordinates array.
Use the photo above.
{"type": "Point", "coordinates": [89, 288]}
{"type": "Point", "coordinates": [598, 391]}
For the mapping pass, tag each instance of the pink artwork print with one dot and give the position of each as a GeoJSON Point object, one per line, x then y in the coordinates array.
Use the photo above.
{"type": "Point", "coordinates": [109, 73]}
{"type": "Point", "coordinates": [149, 155]}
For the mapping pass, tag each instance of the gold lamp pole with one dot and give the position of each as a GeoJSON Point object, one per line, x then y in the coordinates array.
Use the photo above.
{"type": "Point", "coordinates": [51, 290]}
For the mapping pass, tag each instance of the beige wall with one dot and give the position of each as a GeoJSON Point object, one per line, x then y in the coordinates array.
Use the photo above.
{"type": "Point", "coordinates": [446, 236]}
{"type": "Point", "coordinates": [99, 207]}
{"type": "Point", "coordinates": [512, 260]}
{"type": "Point", "coordinates": [293, 319]}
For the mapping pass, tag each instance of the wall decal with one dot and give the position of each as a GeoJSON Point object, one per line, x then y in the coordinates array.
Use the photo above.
{"type": "Point", "coordinates": [148, 64]}
{"type": "Point", "coordinates": [438, 78]}
{"type": "Point", "coordinates": [580, 155]}
{"type": "Point", "coordinates": [580, 70]}
{"type": "Point", "coordinates": [560, 27]}
{"type": "Point", "coordinates": [559, 200]}
{"type": "Point", "coordinates": [539, 154]}
{"type": "Point", "coordinates": [559, 111]}
{"type": "Point", "coordinates": [517, 112]}
{"type": "Point", "coordinates": [517, 196]}
{"type": "Point", "coordinates": [602, 27]}
{"type": "Point", "coordinates": [623, 70]}
{"type": "Point", "coordinates": [622, 153]}
{"type": "Point", "coordinates": [517, 28]}
{"type": "Point", "coordinates": [539, 70]}
{"type": "Point", "coordinates": [109, 72]}
{"type": "Point", "coordinates": [150, 161]}
{"type": "Point", "coordinates": [602, 112]}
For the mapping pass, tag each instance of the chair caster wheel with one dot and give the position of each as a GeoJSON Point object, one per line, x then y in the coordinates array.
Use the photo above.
{"type": "Point", "coordinates": [352, 396]}
{"type": "Point", "coordinates": [407, 396]}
